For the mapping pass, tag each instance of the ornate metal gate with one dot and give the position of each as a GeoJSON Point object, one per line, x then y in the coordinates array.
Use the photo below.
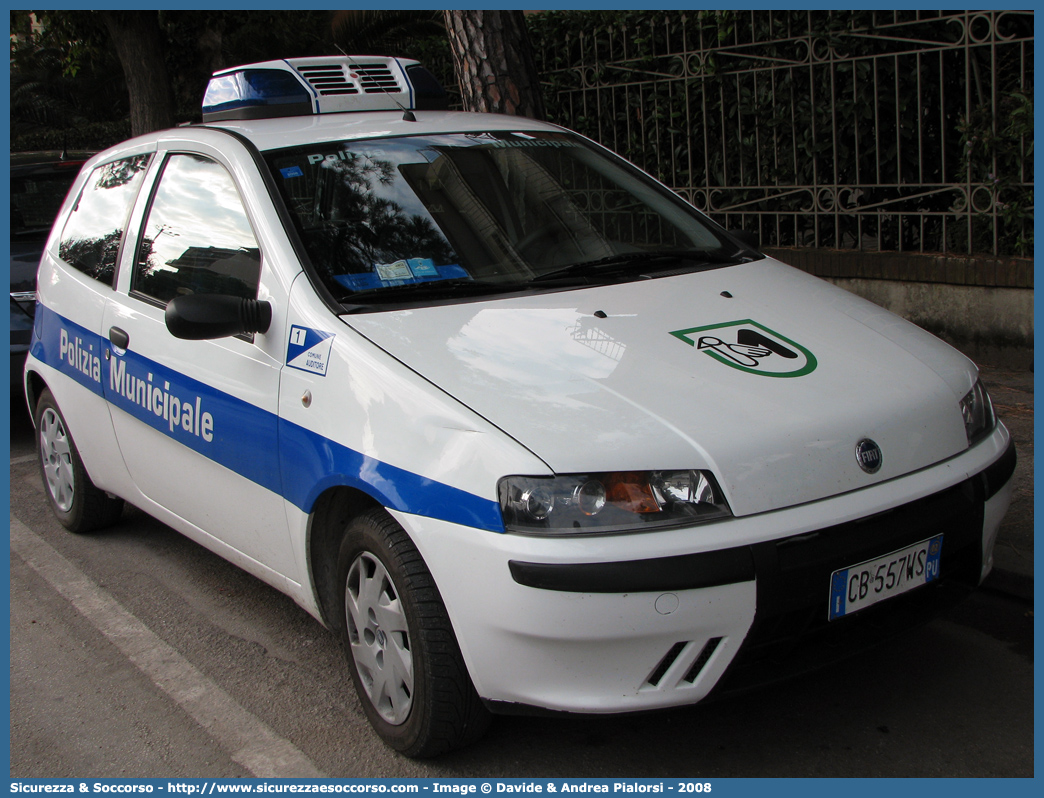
{"type": "Point", "coordinates": [861, 130]}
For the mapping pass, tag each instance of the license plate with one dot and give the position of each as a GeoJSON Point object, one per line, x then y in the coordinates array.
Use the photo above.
{"type": "Point", "coordinates": [859, 586]}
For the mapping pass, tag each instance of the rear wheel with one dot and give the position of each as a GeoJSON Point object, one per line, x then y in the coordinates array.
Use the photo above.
{"type": "Point", "coordinates": [402, 652]}
{"type": "Point", "coordinates": [78, 504]}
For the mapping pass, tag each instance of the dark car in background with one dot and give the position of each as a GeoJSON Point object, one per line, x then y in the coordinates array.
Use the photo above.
{"type": "Point", "coordinates": [39, 183]}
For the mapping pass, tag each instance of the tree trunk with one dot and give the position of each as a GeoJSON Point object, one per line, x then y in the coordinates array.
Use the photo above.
{"type": "Point", "coordinates": [135, 36]}
{"type": "Point", "coordinates": [493, 60]}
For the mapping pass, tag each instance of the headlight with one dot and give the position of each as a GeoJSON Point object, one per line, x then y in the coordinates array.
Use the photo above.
{"type": "Point", "coordinates": [977, 410]}
{"type": "Point", "coordinates": [621, 501]}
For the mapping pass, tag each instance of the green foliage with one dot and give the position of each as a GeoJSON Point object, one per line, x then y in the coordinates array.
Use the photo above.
{"type": "Point", "coordinates": [67, 83]}
{"type": "Point", "coordinates": [62, 86]}
{"type": "Point", "coordinates": [388, 32]}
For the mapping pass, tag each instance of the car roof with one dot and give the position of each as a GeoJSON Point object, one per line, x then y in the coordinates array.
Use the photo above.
{"type": "Point", "coordinates": [292, 131]}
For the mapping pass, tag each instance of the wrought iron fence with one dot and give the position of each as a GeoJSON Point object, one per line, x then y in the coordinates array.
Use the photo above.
{"type": "Point", "coordinates": [864, 130]}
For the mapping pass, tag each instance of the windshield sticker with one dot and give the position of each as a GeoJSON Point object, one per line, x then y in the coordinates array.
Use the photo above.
{"type": "Point", "coordinates": [751, 347]}
{"type": "Point", "coordinates": [309, 350]}
{"type": "Point", "coordinates": [400, 270]}
{"type": "Point", "coordinates": [422, 267]}
{"type": "Point", "coordinates": [404, 272]}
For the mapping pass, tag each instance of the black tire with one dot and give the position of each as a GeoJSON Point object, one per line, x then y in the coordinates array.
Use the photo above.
{"type": "Point", "coordinates": [395, 630]}
{"type": "Point", "coordinates": [78, 504]}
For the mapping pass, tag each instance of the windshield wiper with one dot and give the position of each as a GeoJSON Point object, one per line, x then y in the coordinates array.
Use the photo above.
{"type": "Point", "coordinates": [624, 261]}
{"type": "Point", "coordinates": [651, 262]}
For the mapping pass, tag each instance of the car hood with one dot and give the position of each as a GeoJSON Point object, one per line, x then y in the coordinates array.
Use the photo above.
{"type": "Point", "coordinates": [766, 376]}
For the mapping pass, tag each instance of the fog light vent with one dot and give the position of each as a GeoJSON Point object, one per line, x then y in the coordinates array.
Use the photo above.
{"type": "Point", "coordinates": [702, 660]}
{"type": "Point", "coordinates": [669, 659]}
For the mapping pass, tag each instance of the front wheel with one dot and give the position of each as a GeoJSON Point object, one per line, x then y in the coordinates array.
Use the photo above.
{"type": "Point", "coordinates": [79, 505]}
{"type": "Point", "coordinates": [402, 652]}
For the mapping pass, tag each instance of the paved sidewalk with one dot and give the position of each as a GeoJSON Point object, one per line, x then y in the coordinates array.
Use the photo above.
{"type": "Point", "coordinates": [1012, 394]}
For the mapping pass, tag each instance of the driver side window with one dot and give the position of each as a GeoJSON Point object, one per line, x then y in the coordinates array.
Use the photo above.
{"type": "Point", "coordinates": [197, 237]}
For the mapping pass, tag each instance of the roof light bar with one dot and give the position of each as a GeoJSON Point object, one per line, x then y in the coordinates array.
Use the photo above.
{"type": "Point", "coordinates": [321, 85]}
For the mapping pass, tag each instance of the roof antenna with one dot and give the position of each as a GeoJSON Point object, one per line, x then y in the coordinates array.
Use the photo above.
{"type": "Point", "coordinates": [407, 114]}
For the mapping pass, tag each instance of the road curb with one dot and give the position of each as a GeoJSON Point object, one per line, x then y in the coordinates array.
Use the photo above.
{"type": "Point", "coordinates": [1013, 583]}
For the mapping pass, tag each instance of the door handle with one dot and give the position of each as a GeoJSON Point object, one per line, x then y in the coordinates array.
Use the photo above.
{"type": "Point", "coordinates": [119, 338]}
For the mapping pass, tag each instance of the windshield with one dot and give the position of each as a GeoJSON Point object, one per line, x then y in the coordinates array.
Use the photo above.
{"type": "Point", "coordinates": [424, 218]}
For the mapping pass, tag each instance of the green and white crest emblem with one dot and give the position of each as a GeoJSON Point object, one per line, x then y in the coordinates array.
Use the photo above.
{"type": "Point", "coordinates": [751, 347]}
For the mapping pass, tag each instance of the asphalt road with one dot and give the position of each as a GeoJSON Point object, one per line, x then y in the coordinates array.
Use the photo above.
{"type": "Point", "coordinates": [137, 653]}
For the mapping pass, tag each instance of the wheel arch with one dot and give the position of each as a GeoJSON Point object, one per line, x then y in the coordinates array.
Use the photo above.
{"type": "Point", "coordinates": [35, 385]}
{"type": "Point", "coordinates": [335, 507]}
{"type": "Point", "coordinates": [445, 710]}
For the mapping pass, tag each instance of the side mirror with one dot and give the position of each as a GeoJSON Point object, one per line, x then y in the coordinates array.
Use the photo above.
{"type": "Point", "coordinates": [747, 238]}
{"type": "Point", "coordinates": [198, 317]}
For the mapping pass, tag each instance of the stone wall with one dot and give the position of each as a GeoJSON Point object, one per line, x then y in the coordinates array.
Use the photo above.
{"type": "Point", "coordinates": [981, 305]}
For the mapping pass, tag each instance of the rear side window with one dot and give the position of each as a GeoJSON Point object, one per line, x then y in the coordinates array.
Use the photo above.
{"type": "Point", "coordinates": [91, 239]}
{"type": "Point", "coordinates": [197, 239]}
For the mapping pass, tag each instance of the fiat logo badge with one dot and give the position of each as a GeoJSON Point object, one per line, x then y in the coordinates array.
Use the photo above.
{"type": "Point", "coordinates": [868, 455]}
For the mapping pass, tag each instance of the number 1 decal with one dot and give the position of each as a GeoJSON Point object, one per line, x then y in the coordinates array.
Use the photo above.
{"type": "Point", "coordinates": [309, 350]}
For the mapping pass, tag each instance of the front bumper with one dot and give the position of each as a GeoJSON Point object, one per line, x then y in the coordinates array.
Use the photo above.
{"type": "Point", "coordinates": [644, 621]}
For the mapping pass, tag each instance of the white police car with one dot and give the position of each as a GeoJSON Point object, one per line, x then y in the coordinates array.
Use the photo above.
{"type": "Point", "coordinates": [526, 430]}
